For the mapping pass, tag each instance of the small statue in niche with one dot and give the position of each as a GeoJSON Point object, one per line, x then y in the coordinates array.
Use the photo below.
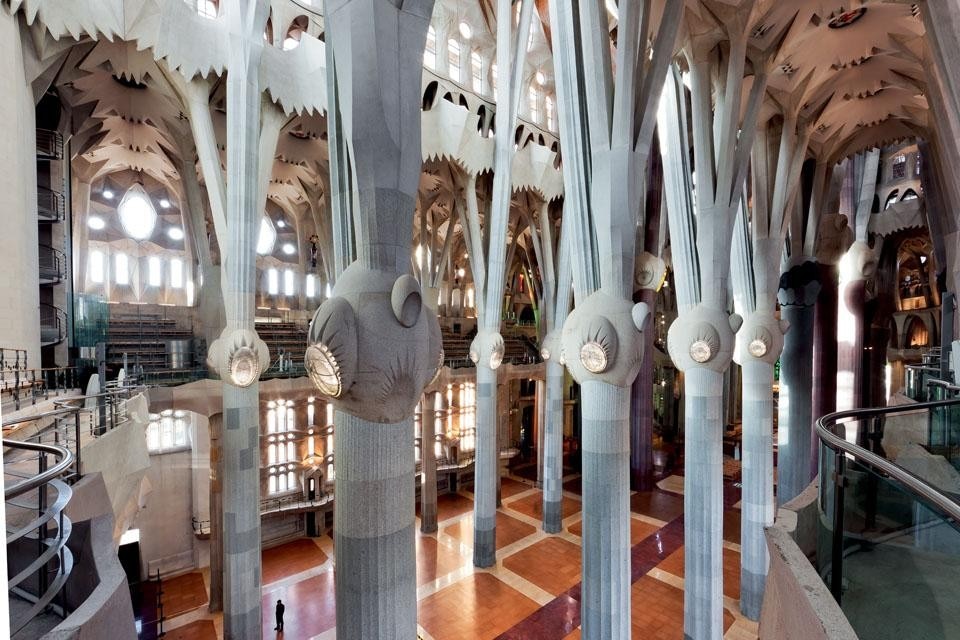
{"type": "Point", "coordinates": [314, 239]}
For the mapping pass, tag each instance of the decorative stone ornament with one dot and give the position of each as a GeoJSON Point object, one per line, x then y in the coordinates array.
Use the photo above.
{"type": "Point", "coordinates": [760, 338]}
{"type": "Point", "coordinates": [602, 339]}
{"type": "Point", "coordinates": [487, 347]}
{"type": "Point", "coordinates": [704, 337]}
{"type": "Point", "coordinates": [649, 271]}
{"type": "Point", "coordinates": [551, 347]}
{"type": "Point", "coordinates": [238, 357]}
{"type": "Point", "coordinates": [374, 345]}
{"type": "Point", "coordinates": [800, 284]}
{"type": "Point", "coordinates": [859, 263]}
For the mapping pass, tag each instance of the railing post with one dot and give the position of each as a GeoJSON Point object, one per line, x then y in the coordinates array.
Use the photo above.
{"type": "Point", "coordinates": [839, 485]}
{"type": "Point", "coordinates": [76, 423]}
{"type": "Point", "coordinates": [42, 537]}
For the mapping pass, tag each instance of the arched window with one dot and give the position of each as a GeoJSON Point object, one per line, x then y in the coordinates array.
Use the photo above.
{"type": "Point", "coordinates": [291, 451]}
{"type": "Point", "coordinates": [900, 166]}
{"type": "Point", "coordinates": [430, 53]}
{"type": "Point", "coordinates": [291, 481]}
{"type": "Point", "coordinates": [272, 454]}
{"type": "Point", "coordinates": [891, 198]}
{"type": "Point", "coordinates": [916, 334]}
{"type": "Point", "coordinates": [273, 281]}
{"type": "Point", "coordinates": [476, 71]}
{"type": "Point", "coordinates": [204, 8]}
{"type": "Point", "coordinates": [272, 484]}
{"type": "Point", "coordinates": [155, 268]}
{"type": "Point", "coordinates": [96, 267]}
{"type": "Point", "coordinates": [453, 60]}
{"type": "Point", "coordinates": [551, 116]}
{"type": "Point", "coordinates": [909, 194]}
{"type": "Point", "coordinates": [121, 269]}
{"type": "Point", "coordinates": [534, 98]}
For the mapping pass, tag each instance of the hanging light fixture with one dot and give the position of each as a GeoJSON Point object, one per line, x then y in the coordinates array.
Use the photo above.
{"type": "Point", "coordinates": [137, 214]}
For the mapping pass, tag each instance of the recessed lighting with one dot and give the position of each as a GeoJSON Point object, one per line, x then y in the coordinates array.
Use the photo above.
{"type": "Point", "coordinates": [164, 203]}
{"type": "Point", "coordinates": [281, 224]}
{"type": "Point", "coordinates": [175, 233]}
{"type": "Point", "coordinates": [108, 194]}
{"type": "Point", "coordinates": [289, 249]}
{"type": "Point", "coordinates": [465, 31]}
{"type": "Point", "coordinates": [96, 223]}
{"type": "Point", "coordinates": [540, 78]}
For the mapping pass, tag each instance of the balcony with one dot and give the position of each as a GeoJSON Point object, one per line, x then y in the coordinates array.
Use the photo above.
{"type": "Point", "coordinates": [50, 205]}
{"type": "Point", "coordinates": [53, 325]}
{"type": "Point", "coordinates": [49, 145]}
{"type": "Point", "coordinates": [52, 265]}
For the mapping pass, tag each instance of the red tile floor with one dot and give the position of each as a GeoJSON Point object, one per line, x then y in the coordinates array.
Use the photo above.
{"type": "Point", "coordinates": [533, 592]}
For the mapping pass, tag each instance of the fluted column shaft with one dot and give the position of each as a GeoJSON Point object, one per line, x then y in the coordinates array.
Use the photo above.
{"type": "Point", "coordinates": [795, 417]}
{"type": "Point", "coordinates": [374, 529]}
{"type": "Point", "coordinates": [428, 465]}
{"type": "Point", "coordinates": [703, 504]}
{"type": "Point", "coordinates": [606, 511]}
{"type": "Point", "coordinates": [485, 470]}
{"type": "Point", "coordinates": [641, 412]}
{"type": "Point", "coordinates": [553, 449]}
{"type": "Point", "coordinates": [757, 508]}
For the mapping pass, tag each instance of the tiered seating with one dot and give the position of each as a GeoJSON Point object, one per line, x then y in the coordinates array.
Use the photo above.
{"type": "Point", "coordinates": [456, 349]}
{"type": "Point", "coordinates": [144, 339]}
{"type": "Point", "coordinates": [284, 337]}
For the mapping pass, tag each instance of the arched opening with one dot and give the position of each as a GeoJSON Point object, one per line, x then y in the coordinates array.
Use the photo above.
{"type": "Point", "coordinates": [891, 199]}
{"type": "Point", "coordinates": [909, 194]}
{"type": "Point", "coordinates": [916, 335]}
{"type": "Point", "coordinates": [429, 95]}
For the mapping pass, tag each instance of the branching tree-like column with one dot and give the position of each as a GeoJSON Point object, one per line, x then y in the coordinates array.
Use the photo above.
{"type": "Point", "coordinates": [615, 104]}
{"type": "Point", "coordinates": [856, 267]}
{"type": "Point", "coordinates": [701, 340]}
{"type": "Point", "coordinates": [488, 264]}
{"type": "Point", "coordinates": [375, 344]}
{"type": "Point", "coordinates": [758, 249]}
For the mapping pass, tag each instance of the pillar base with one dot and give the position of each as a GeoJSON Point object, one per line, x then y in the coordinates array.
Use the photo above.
{"type": "Point", "coordinates": [484, 547]}
{"type": "Point", "coordinates": [552, 517]}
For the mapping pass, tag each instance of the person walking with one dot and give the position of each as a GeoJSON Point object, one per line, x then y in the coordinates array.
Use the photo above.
{"type": "Point", "coordinates": [279, 612]}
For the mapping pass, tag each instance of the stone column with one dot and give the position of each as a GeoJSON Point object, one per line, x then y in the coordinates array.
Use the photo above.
{"type": "Point", "coordinates": [374, 529]}
{"type": "Point", "coordinates": [20, 311]}
{"type": "Point", "coordinates": [606, 510]}
{"type": "Point", "coordinates": [428, 466]}
{"type": "Point", "coordinates": [824, 399]}
{"type": "Point", "coordinates": [485, 470]}
{"type": "Point", "coordinates": [553, 444]}
{"type": "Point", "coordinates": [855, 267]}
{"type": "Point", "coordinates": [216, 513]}
{"type": "Point", "coordinates": [603, 353]}
{"type": "Point", "coordinates": [798, 291]}
{"type": "Point", "coordinates": [641, 413]}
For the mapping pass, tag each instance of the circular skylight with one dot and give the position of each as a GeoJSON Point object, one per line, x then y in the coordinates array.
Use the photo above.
{"type": "Point", "coordinates": [96, 223]}
{"type": "Point", "coordinates": [164, 203]}
{"type": "Point", "coordinates": [267, 236]}
{"type": "Point", "coordinates": [289, 249]}
{"type": "Point", "coordinates": [281, 224]}
{"type": "Point", "coordinates": [465, 31]}
{"type": "Point", "coordinates": [175, 233]}
{"type": "Point", "coordinates": [137, 214]}
{"type": "Point", "coordinates": [108, 194]}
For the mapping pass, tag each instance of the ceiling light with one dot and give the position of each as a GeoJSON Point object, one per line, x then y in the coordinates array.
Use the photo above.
{"type": "Point", "coordinates": [700, 351]}
{"type": "Point", "coordinates": [175, 233]}
{"type": "Point", "coordinates": [281, 224]}
{"type": "Point", "coordinates": [266, 237]}
{"type": "Point", "coordinates": [137, 214]}
{"type": "Point", "coordinates": [107, 194]}
{"type": "Point", "coordinates": [96, 223]}
{"type": "Point", "coordinates": [289, 249]}
{"type": "Point", "coordinates": [593, 357]}
{"type": "Point", "coordinates": [164, 203]}
{"type": "Point", "coordinates": [465, 31]}
{"type": "Point", "coordinates": [323, 369]}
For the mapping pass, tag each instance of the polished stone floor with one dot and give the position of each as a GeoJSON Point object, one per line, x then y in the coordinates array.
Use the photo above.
{"type": "Point", "coordinates": [532, 592]}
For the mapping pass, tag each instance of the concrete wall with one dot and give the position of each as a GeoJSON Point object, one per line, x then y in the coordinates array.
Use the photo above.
{"type": "Point", "coordinates": [19, 287]}
{"type": "Point", "coordinates": [797, 604]}
{"type": "Point", "coordinates": [166, 530]}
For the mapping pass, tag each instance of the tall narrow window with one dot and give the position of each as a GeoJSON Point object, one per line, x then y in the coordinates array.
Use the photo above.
{"type": "Point", "coordinates": [453, 59]}
{"type": "Point", "coordinates": [430, 53]}
{"type": "Point", "coordinates": [273, 281]}
{"type": "Point", "coordinates": [534, 97]}
{"type": "Point", "coordinates": [551, 116]}
{"type": "Point", "coordinates": [311, 285]}
{"type": "Point", "coordinates": [121, 270]}
{"type": "Point", "coordinates": [96, 267]}
{"type": "Point", "coordinates": [288, 282]}
{"type": "Point", "coordinates": [156, 271]}
{"type": "Point", "coordinates": [176, 273]}
{"type": "Point", "coordinates": [476, 70]}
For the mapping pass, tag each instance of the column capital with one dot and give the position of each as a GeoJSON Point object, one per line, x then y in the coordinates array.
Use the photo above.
{"type": "Point", "coordinates": [800, 284]}
{"type": "Point", "coordinates": [760, 339]}
{"type": "Point", "coordinates": [704, 338]}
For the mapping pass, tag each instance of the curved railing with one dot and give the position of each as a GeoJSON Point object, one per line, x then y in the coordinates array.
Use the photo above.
{"type": "Point", "coordinates": [53, 324]}
{"type": "Point", "coordinates": [889, 535]}
{"type": "Point", "coordinates": [39, 561]}
{"type": "Point", "coordinates": [52, 264]}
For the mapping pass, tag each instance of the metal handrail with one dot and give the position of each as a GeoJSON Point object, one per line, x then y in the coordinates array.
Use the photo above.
{"type": "Point", "coordinates": [909, 481]}
{"type": "Point", "coordinates": [914, 483]}
{"type": "Point", "coordinates": [66, 459]}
